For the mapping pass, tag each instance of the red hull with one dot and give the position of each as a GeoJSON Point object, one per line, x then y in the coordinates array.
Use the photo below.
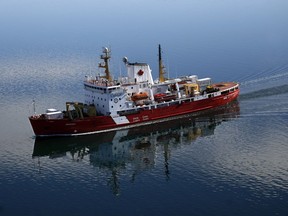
{"type": "Point", "coordinates": [97, 124]}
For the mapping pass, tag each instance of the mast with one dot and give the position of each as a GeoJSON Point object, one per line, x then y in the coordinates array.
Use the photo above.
{"type": "Point", "coordinates": [106, 56]}
{"type": "Point", "coordinates": [161, 66]}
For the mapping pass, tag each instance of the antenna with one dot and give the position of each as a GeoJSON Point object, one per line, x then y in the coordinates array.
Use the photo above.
{"type": "Point", "coordinates": [34, 106]}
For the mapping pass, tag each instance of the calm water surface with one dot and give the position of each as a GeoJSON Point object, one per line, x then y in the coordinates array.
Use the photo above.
{"type": "Point", "coordinates": [229, 161]}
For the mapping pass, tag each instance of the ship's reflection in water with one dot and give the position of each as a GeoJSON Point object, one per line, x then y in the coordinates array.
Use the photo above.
{"type": "Point", "coordinates": [134, 150]}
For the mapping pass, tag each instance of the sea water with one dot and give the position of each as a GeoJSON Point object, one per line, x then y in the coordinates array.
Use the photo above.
{"type": "Point", "coordinates": [228, 161]}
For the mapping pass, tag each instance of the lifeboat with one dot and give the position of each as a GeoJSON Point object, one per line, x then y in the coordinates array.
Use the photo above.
{"type": "Point", "coordinates": [161, 97]}
{"type": "Point", "coordinates": [139, 96]}
{"type": "Point", "coordinates": [158, 96]}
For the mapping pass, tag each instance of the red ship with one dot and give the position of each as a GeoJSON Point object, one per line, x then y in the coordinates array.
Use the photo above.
{"type": "Point", "coordinates": [132, 101]}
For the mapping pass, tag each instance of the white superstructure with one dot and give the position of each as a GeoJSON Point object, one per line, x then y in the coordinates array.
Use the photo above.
{"type": "Point", "coordinates": [137, 89]}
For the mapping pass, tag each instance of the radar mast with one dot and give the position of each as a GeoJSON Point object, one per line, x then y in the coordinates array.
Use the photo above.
{"type": "Point", "coordinates": [106, 56]}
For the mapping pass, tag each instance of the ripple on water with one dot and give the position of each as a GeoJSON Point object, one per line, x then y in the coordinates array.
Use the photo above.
{"type": "Point", "coordinates": [232, 157]}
